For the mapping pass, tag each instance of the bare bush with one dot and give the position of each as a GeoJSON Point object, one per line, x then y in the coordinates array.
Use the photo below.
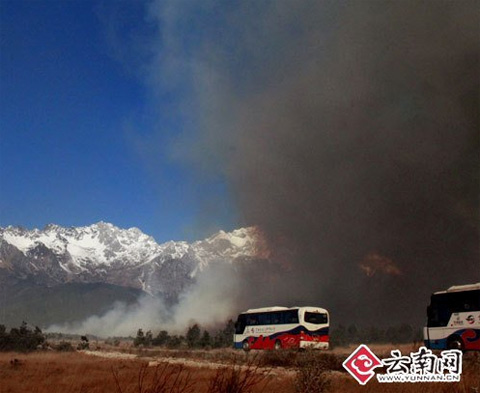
{"type": "Point", "coordinates": [312, 373]}
{"type": "Point", "coordinates": [328, 361]}
{"type": "Point", "coordinates": [163, 379]}
{"type": "Point", "coordinates": [64, 346]}
{"type": "Point", "coordinates": [238, 379]}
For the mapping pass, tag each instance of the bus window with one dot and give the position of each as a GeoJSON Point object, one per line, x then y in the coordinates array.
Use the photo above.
{"type": "Point", "coordinates": [290, 316]}
{"type": "Point", "coordinates": [276, 318]}
{"type": "Point", "coordinates": [472, 301]}
{"type": "Point", "coordinates": [316, 318]}
{"type": "Point", "coordinates": [265, 319]}
{"type": "Point", "coordinates": [252, 319]}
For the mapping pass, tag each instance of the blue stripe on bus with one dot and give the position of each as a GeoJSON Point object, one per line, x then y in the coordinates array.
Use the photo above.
{"type": "Point", "coordinates": [441, 343]}
{"type": "Point", "coordinates": [436, 344]}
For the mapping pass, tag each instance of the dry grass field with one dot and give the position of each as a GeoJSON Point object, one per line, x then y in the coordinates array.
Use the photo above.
{"type": "Point", "coordinates": [213, 371]}
{"type": "Point", "coordinates": [78, 373]}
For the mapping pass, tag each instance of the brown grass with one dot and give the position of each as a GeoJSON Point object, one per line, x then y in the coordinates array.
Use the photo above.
{"type": "Point", "coordinates": [53, 372]}
{"type": "Point", "coordinates": [160, 379]}
{"type": "Point", "coordinates": [239, 379]}
{"type": "Point", "coordinates": [312, 373]}
{"type": "Point", "coordinates": [75, 372]}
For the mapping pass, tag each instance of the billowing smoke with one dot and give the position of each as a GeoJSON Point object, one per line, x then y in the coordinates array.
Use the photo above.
{"type": "Point", "coordinates": [347, 131]}
{"type": "Point", "coordinates": [209, 302]}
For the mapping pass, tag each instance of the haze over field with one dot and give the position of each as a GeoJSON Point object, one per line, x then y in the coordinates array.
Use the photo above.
{"type": "Point", "coordinates": [346, 132]}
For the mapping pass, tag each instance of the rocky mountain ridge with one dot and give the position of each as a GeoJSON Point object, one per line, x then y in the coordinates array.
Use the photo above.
{"type": "Point", "coordinates": [104, 253]}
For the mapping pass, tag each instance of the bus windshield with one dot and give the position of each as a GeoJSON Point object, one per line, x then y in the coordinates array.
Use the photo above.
{"type": "Point", "coordinates": [240, 324]}
{"type": "Point", "coordinates": [443, 305]}
{"type": "Point", "coordinates": [316, 318]}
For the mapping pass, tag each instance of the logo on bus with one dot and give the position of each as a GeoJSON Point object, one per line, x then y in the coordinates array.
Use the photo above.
{"type": "Point", "coordinates": [470, 319]}
{"type": "Point", "coordinates": [360, 364]}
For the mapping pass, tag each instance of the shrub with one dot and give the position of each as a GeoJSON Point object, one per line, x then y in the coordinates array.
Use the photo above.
{"type": "Point", "coordinates": [327, 360]}
{"type": "Point", "coordinates": [237, 379]}
{"type": "Point", "coordinates": [163, 379]}
{"type": "Point", "coordinates": [311, 374]}
{"type": "Point", "coordinates": [64, 346]}
{"type": "Point", "coordinates": [144, 339]}
{"type": "Point", "coordinates": [114, 341]}
{"type": "Point", "coordinates": [83, 346]}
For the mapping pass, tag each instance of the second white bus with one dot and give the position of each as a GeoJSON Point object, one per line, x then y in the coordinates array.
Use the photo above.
{"type": "Point", "coordinates": [453, 319]}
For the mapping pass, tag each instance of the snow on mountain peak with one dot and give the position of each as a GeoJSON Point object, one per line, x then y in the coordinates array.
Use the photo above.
{"type": "Point", "coordinates": [100, 243]}
{"type": "Point", "coordinates": [103, 243]}
{"type": "Point", "coordinates": [103, 252]}
{"type": "Point", "coordinates": [238, 238]}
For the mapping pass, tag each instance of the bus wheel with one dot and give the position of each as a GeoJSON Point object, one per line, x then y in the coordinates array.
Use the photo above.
{"type": "Point", "coordinates": [455, 342]}
{"type": "Point", "coordinates": [278, 345]}
{"type": "Point", "coordinates": [246, 346]}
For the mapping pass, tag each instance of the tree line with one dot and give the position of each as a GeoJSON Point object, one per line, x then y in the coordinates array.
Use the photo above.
{"type": "Point", "coordinates": [25, 338]}
{"type": "Point", "coordinates": [340, 335]}
{"type": "Point", "coordinates": [21, 339]}
{"type": "Point", "coordinates": [195, 337]}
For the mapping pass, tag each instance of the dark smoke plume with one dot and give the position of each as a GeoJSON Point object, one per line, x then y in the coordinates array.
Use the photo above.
{"type": "Point", "coordinates": [349, 133]}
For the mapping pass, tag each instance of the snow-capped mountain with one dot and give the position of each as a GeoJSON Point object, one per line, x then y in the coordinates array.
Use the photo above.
{"type": "Point", "coordinates": [98, 244]}
{"type": "Point", "coordinates": [104, 253]}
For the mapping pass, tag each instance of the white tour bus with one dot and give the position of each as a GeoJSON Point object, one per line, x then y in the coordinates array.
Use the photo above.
{"type": "Point", "coordinates": [453, 319]}
{"type": "Point", "coordinates": [282, 327]}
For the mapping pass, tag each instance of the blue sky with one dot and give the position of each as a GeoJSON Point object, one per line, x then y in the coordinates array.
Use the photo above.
{"type": "Point", "coordinates": [80, 121]}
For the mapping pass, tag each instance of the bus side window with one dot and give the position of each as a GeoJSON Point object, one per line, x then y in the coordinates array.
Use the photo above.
{"type": "Point", "coordinates": [265, 319]}
{"type": "Point", "coordinates": [252, 320]}
{"type": "Point", "coordinates": [472, 300]}
{"type": "Point", "coordinates": [294, 317]}
{"type": "Point", "coordinates": [276, 318]}
{"type": "Point", "coordinates": [291, 316]}
{"type": "Point", "coordinates": [476, 300]}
